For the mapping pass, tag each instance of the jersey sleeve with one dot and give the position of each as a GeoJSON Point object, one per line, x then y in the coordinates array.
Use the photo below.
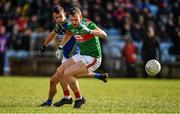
{"type": "Point", "coordinates": [90, 24]}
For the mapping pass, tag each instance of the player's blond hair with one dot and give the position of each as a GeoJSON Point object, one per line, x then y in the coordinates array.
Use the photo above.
{"type": "Point", "coordinates": [75, 10]}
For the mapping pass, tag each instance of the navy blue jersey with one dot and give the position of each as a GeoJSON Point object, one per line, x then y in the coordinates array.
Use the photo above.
{"type": "Point", "coordinates": [70, 48]}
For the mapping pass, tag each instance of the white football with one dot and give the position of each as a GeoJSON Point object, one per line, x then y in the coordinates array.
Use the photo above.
{"type": "Point", "coordinates": [152, 67]}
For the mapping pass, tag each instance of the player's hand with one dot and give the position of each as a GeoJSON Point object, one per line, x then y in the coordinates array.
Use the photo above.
{"type": "Point", "coordinates": [59, 53]}
{"type": "Point", "coordinates": [42, 49]}
{"type": "Point", "coordinates": [83, 29]}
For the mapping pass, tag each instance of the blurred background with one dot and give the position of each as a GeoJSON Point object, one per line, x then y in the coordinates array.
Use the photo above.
{"type": "Point", "coordinates": [138, 30]}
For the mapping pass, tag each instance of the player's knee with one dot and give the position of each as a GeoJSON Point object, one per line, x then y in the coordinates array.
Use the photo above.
{"type": "Point", "coordinates": [60, 71]}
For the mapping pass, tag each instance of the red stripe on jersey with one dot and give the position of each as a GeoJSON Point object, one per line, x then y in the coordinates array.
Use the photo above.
{"type": "Point", "coordinates": [88, 20]}
{"type": "Point", "coordinates": [85, 37]}
{"type": "Point", "coordinates": [93, 63]}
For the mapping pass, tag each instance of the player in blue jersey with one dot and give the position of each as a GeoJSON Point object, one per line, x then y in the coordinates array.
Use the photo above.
{"type": "Point", "coordinates": [68, 50]}
{"type": "Point", "coordinates": [58, 31]}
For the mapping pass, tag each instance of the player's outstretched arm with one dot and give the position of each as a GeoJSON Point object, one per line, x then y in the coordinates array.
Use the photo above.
{"type": "Point", "coordinates": [66, 38]}
{"type": "Point", "coordinates": [99, 32]}
{"type": "Point", "coordinates": [49, 38]}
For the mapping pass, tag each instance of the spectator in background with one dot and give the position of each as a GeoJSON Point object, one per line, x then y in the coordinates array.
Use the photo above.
{"type": "Point", "coordinates": [119, 15]}
{"type": "Point", "coordinates": [130, 55]}
{"type": "Point", "coordinates": [126, 26]}
{"type": "Point", "coordinates": [20, 42]}
{"type": "Point", "coordinates": [150, 47]}
{"type": "Point", "coordinates": [33, 23]}
{"type": "Point", "coordinates": [109, 14]}
{"type": "Point", "coordinates": [3, 47]}
{"type": "Point", "coordinates": [137, 31]}
{"type": "Point", "coordinates": [175, 49]}
{"type": "Point", "coordinates": [85, 13]}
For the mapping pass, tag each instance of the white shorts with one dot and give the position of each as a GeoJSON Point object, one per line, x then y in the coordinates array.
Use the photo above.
{"type": "Point", "coordinates": [63, 59]}
{"type": "Point", "coordinates": [91, 63]}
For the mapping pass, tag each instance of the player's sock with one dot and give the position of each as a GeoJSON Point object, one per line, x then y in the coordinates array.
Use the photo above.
{"type": "Point", "coordinates": [78, 95]}
{"type": "Point", "coordinates": [104, 77]}
{"type": "Point", "coordinates": [67, 94]}
{"type": "Point", "coordinates": [49, 102]}
{"type": "Point", "coordinates": [97, 75]}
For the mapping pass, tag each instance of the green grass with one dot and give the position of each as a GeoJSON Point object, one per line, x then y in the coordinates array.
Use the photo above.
{"type": "Point", "coordinates": [24, 94]}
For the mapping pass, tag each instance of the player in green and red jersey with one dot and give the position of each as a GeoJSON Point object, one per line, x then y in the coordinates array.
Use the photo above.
{"type": "Point", "coordinates": [90, 55]}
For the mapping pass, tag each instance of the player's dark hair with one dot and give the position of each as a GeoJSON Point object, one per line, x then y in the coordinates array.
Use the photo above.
{"type": "Point", "coordinates": [57, 8]}
{"type": "Point", "coordinates": [75, 10]}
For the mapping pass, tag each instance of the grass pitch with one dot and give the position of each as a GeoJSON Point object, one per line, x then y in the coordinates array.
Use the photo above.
{"type": "Point", "coordinates": [24, 94]}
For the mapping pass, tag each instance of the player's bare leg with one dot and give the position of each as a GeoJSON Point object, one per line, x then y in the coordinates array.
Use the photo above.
{"type": "Point", "coordinates": [67, 100]}
{"type": "Point", "coordinates": [52, 90]}
{"type": "Point", "coordinates": [64, 85]}
{"type": "Point", "coordinates": [57, 77]}
{"type": "Point", "coordinates": [101, 76]}
{"type": "Point", "coordinates": [71, 73]}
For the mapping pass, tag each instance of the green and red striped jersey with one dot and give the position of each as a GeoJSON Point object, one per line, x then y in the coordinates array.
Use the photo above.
{"type": "Point", "coordinates": [88, 43]}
